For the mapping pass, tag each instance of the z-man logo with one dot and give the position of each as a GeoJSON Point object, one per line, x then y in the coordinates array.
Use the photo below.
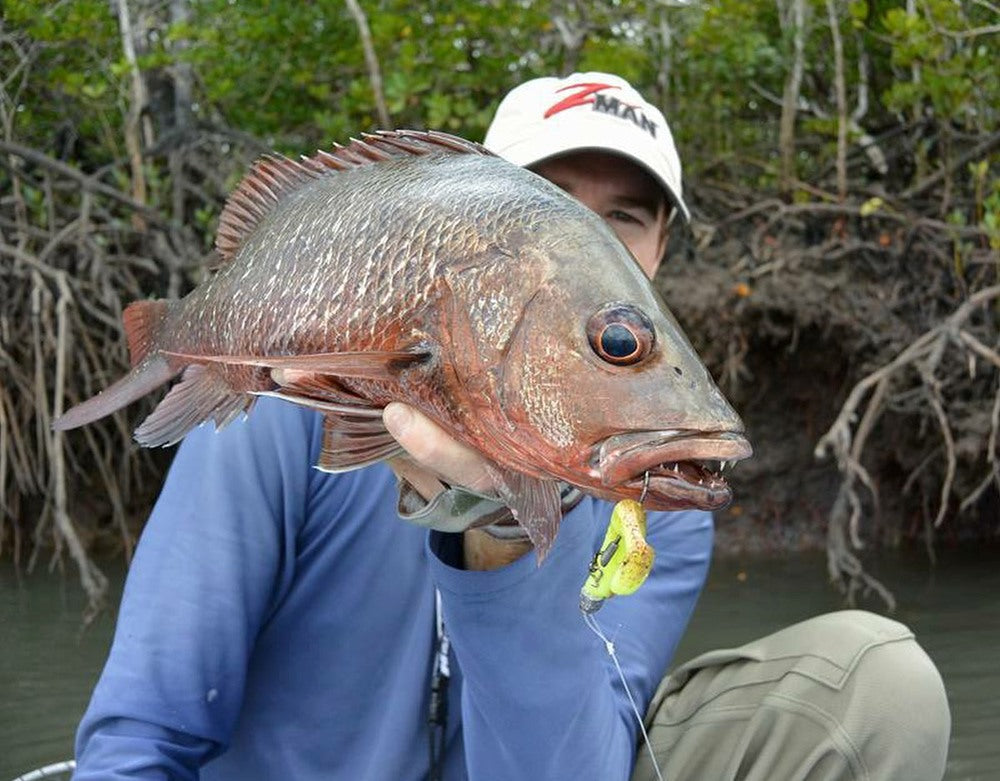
{"type": "Point", "coordinates": [589, 93]}
{"type": "Point", "coordinates": [580, 98]}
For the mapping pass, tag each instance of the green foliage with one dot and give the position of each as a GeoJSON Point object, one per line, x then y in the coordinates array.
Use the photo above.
{"type": "Point", "coordinates": [950, 73]}
{"type": "Point", "coordinates": [71, 80]}
{"type": "Point", "coordinates": [294, 74]}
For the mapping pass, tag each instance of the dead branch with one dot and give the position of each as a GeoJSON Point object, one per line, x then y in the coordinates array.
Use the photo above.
{"type": "Point", "coordinates": [977, 152]}
{"type": "Point", "coordinates": [925, 355]}
{"type": "Point", "coordinates": [79, 178]}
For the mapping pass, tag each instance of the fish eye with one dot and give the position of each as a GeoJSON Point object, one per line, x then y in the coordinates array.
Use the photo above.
{"type": "Point", "coordinates": [620, 334]}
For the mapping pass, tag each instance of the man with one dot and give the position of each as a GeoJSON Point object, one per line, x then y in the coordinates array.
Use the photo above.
{"type": "Point", "coordinates": [279, 622]}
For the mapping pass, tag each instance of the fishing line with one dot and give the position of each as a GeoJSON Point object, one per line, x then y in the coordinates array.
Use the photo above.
{"type": "Point", "coordinates": [609, 646]}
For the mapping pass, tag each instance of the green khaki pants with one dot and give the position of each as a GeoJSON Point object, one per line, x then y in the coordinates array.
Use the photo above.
{"type": "Point", "coordinates": [847, 695]}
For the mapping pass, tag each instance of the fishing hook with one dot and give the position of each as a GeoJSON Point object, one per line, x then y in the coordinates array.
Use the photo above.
{"type": "Point", "coordinates": [645, 487]}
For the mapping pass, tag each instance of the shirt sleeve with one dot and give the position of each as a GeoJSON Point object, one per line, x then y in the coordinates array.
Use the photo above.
{"type": "Point", "coordinates": [213, 560]}
{"type": "Point", "coordinates": [541, 697]}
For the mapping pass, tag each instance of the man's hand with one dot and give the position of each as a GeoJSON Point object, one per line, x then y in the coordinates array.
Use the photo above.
{"type": "Point", "coordinates": [433, 457]}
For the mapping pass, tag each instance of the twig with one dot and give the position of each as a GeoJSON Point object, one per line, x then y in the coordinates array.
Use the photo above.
{"type": "Point", "coordinates": [980, 150]}
{"type": "Point", "coordinates": [85, 181]}
{"type": "Point", "coordinates": [93, 580]}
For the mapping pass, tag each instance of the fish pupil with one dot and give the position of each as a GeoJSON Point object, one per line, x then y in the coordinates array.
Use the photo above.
{"type": "Point", "coordinates": [617, 341]}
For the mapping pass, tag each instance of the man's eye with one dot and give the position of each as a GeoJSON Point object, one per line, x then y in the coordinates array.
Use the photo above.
{"type": "Point", "coordinates": [619, 216]}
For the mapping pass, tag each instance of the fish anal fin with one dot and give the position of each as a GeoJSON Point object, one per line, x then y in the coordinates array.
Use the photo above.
{"type": "Point", "coordinates": [273, 177]}
{"type": "Point", "coordinates": [204, 393]}
{"type": "Point", "coordinates": [142, 321]}
{"type": "Point", "coordinates": [352, 440]}
{"type": "Point", "coordinates": [535, 503]}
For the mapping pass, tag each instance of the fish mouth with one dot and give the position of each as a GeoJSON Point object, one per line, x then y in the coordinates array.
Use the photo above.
{"type": "Point", "coordinates": [671, 469]}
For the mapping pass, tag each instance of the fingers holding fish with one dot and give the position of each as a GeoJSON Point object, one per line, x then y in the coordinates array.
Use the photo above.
{"type": "Point", "coordinates": [434, 456]}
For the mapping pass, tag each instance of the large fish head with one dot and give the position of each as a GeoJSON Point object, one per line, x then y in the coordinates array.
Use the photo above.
{"type": "Point", "coordinates": [595, 382]}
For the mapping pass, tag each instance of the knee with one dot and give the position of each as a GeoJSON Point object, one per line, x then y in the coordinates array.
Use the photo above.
{"type": "Point", "coordinates": [898, 713]}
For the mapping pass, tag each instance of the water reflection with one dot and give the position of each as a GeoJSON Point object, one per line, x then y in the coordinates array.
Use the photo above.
{"type": "Point", "coordinates": [48, 667]}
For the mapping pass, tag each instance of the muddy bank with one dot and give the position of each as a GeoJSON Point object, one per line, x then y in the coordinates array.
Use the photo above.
{"type": "Point", "coordinates": [790, 315]}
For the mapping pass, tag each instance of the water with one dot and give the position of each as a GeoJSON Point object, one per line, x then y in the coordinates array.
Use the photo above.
{"type": "Point", "coordinates": [48, 667]}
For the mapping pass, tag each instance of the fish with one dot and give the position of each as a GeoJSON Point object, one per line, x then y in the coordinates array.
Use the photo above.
{"type": "Point", "coordinates": [417, 266]}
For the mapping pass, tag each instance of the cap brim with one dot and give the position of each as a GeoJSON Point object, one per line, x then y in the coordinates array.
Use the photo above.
{"type": "Point", "coordinates": [554, 139]}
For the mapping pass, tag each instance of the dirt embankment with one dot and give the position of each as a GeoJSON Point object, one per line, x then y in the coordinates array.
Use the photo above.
{"type": "Point", "coordinates": [792, 307]}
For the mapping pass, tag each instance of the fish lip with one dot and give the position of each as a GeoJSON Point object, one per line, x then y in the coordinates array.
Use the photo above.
{"type": "Point", "coordinates": [672, 459]}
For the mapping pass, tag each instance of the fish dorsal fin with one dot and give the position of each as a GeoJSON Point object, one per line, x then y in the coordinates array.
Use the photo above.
{"type": "Point", "coordinates": [273, 177]}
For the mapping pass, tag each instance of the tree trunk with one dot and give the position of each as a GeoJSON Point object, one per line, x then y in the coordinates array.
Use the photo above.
{"type": "Point", "coordinates": [876, 157]}
{"type": "Point", "coordinates": [183, 80]}
{"type": "Point", "coordinates": [790, 98]}
{"type": "Point", "coordinates": [371, 60]}
{"type": "Point", "coordinates": [572, 38]}
{"type": "Point", "coordinates": [666, 53]}
{"type": "Point", "coordinates": [133, 121]}
{"type": "Point", "coordinates": [841, 92]}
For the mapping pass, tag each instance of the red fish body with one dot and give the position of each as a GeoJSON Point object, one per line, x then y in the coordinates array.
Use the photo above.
{"type": "Point", "coordinates": [418, 267]}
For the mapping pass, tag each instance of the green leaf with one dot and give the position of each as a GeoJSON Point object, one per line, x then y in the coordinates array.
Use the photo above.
{"type": "Point", "coordinates": [871, 206]}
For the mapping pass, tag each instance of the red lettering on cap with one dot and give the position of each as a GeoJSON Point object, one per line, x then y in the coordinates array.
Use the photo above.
{"type": "Point", "coordinates": [579, 98]}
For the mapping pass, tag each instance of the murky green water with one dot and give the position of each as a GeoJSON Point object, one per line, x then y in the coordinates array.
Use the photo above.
{"type": "Point", "coordinates": [47, 667]}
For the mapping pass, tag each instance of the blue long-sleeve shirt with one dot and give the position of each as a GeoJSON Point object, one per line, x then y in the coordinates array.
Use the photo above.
{"type": "Point", "coordinates": [278, 622]}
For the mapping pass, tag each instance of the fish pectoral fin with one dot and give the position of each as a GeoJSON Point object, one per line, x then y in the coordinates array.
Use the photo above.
{"type": "Point", "coordinates": [322, 391]}
{"type": "Point", "coordinates": [535, 503]}
{"type": "Point", "coordinates": [353, 439]}
{"type": "Point", "coordinates": [363, 364]}
{"type": "Point", "coordinates": [353, 433]}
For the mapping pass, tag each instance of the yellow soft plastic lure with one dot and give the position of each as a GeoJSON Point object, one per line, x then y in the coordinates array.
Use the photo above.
{"type": "Point", "coordinates": [624, 560]}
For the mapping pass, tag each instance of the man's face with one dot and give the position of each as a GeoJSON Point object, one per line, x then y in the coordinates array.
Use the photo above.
{"type": "Point", "coordinates": [621, 192]}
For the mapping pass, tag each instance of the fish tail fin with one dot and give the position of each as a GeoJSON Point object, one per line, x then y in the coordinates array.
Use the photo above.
{"type": "Point", "coordinates": [149, 374]}
{"type": "Point", "coordinates": [142, 321]}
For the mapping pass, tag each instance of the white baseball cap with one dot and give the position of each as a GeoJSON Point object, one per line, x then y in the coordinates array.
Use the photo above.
{"type": "Point", "coordinates": [550, 116]}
